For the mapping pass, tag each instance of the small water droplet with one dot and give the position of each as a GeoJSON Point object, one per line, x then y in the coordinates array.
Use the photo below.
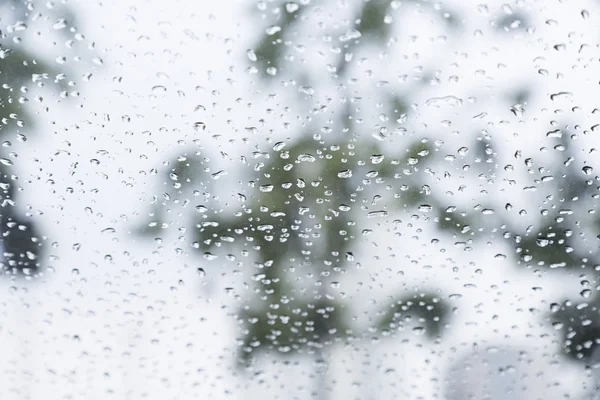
{"type": "Point", "coordinates": [425, 208]}
{"type": "Point", "coordinates": [375, 214]}
{"type": "Point", "coordinates": [306, 157]}
{"type": "Point", "coordinates": [451, 101]}
{"type": "Point", "coordinates": [542, 242]}
{"type": "Point", "coordinates": [345, 174]}
{"type": "Point", "coordinates": [278, 146]}
{"type": "Point", "coordinates": [349, 35]}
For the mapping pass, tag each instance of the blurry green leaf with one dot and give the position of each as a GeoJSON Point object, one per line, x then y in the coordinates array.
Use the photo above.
{"type": "Point", "coordinates": [270, 49]}
{"type": "Point", "coordinates": [291, 328]}
{"type": "Point", "coordinates": [419, 312]}
{"type": "Point", "coordinates": [372, 25]}
{"type": "Point", "coordinates": [21, 243]}
{"type": "Point", "coordinates": [579, 324]}
{"type": "Point", "coordinates": [453, 222]}
{"type": "Point", "coordinates": [550, 247]}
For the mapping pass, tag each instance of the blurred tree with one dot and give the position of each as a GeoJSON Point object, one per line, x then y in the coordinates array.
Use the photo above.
{"type": "Point", "coordinates": [20, 240]}
{"type": "Point", "coordinates": [311, 198]}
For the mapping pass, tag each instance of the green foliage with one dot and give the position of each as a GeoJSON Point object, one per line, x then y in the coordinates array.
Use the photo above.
{"type": "Point", "coordinates": [424, 311]}
{"type": "Point", "coordinates": [372, 25]}
{"type": "Point", "coordinates": [270, 49]}
{"type": "Point", "coordinates": [291, 327]}
{"type": "Point", "coordinates": [549, 247]}
{"type": "Point", "coordinates": [20, 238]}
{"type": "Point", "coordinates": [453, 222]}
{"type": "Point", "coordinates": [300, 219]}
{"type": "Point", "coordinates": [579, 324]}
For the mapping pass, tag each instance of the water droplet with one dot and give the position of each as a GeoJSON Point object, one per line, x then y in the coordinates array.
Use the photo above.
{"type": "Point", "coordinates": [561, 96]}
{"type": "Point", "coordinates": [451, 101]}
{"type": "Point", "coordinates": [278, 146]}
{"type": "Point", "coordinates": [349, 35]}
{"type": "Point", "coordinates": [377, 158]}
{"type": "Point", "coordinates": [419, 330]}
{"type": "Point", "coordinates": [517, 109]}
{"type": "Point", "coordinates": [60, 24]}
{"type": "Point", "coordinates": [425, 208]}
{"type": "Point", "coordinates": [199, 126]}
{"type": "Point", "coordinates": [273, 30]}
{"type": "Point", "coordinates": [218, 174]}
{"type": "Point", "coordinates": [558, 325]}
{"type": "Point", "coordinates": [306, 157]}
{"type": "Point", "coordinates": [345, 174]}
{"type": "Point", "coordinates": [291, 7]}
{"type": "Point", "coordinates": [542, 242]}
{"type": "Point", "coordinates": [306, 90]}
{"type": "Point", "coordinates": [375, 214]}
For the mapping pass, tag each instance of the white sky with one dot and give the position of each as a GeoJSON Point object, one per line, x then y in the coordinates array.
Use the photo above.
{"type": "Point", "coordinates": [142, 332]}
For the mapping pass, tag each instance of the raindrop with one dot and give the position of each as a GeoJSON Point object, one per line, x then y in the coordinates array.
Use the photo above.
{"type": "Point", "coordinates": [451, 101]}
{"type": "Point", "coordinates": [542, 242]}
{"type": "Point", "coordinates": [419, 330]}
{"type": "Point", "coordinates": [425, 208]}
{"type": "Point", "coordinates": [306, 157]}
{"type": "Point", "coordinates": [376, 214]}
{"type": "Point", "coordinates": [560, 96]}
{"type": "Point", "coordinates": [349, 35]}
{"type": "Point", "coordinates": [60, 24]}
{"type": "Point", "coordinates": [291, 7]}
{"type": "Point", "coordinates": [273, 30]}
{"type": "Point", "coordinates": [377, 158]}
{"type": "Point", "coordinates": [159, 89]}
{"type": "Point", "coordinates": [345, 173]}
{"type": "Point", "coordinates": [278, 146]}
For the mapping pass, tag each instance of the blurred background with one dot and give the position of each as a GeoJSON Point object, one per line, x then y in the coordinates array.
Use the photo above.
{"type": "Point", "coordinates": [357, 199]}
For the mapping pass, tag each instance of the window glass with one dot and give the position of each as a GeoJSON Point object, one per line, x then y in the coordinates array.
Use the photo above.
{"type": "Point", "coordinates": [362, 199]}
